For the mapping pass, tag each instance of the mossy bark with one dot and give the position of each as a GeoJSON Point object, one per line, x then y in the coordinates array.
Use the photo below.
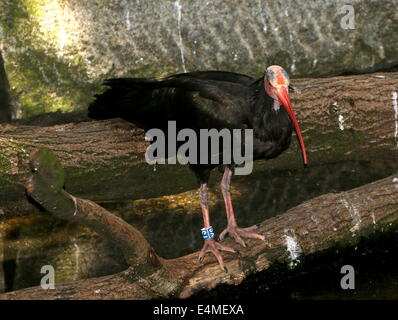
{"type": "Point", "coordinates": [342, 119]}
{"type": "Point", "coordinates": [46, 188]}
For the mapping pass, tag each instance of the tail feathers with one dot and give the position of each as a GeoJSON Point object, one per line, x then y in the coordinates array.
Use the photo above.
{"type": "Point", "coordinates": [124, 95]}
{"type": "Point", "coordinates": [118, 98]}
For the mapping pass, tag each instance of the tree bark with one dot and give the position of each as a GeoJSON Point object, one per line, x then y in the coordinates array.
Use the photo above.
{"type": "Point", "coordinates": [314, 226]}
{"type": "Point", "coordinates": [46, 188]}
{"type": "Point", "coordinates": [342, 118]}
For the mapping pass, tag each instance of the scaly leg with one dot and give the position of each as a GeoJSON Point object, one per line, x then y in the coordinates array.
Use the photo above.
{"type": "Point", "coordinates": [232, 228]}
{"type": "Point", "coordinates": [210, 245]}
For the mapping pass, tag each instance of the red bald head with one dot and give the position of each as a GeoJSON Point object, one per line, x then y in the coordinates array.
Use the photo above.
{"type": "Point", "coordinates": [277, 76]}
{"type": "Point", "coordinates": [276, 83]}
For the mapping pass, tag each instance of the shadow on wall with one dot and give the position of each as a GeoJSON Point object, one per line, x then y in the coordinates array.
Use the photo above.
{"type": "Point", "coordinates": [5, 105]}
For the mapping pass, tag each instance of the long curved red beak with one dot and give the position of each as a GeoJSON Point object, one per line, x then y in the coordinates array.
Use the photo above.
{"type": "Point", "coordinates": [284, 98]}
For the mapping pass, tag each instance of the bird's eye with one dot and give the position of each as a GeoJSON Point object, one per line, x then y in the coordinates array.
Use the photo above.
{"type": "Point", "coordinates": [285, 75]}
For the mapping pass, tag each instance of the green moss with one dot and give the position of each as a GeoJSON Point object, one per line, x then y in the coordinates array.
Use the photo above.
{"type": "Point", "coordinates": [340, 145]}
{"type": "Point", "coordinates": [41, 80]}
{"type": "Point", "coordinates": [5, 165]}
{"type": "Point", "coordinates": [150, 181]}
{"type": "Point", "coordinates": [49, 167]}
{"type": "Point", "coordinates": [340, 141]}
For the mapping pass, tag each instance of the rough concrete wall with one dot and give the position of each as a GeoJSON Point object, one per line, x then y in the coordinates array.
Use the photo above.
{"type": "Point", "coordinates": [57, 51]}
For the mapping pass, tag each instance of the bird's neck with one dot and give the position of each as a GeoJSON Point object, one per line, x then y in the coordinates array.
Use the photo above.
{"type": "Point", "coordinates": [263, 98]}
{"type": "Point", "coordinates": [264, 111]}
{"type": "Point", "coordinates": [268, 90]}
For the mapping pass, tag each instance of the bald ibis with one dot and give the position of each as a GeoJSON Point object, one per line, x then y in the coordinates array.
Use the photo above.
{"type": "Point", "coordinates": [210, 99]}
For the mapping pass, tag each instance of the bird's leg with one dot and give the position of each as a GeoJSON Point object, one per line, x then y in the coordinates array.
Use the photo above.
{"type": "Point", "coordinates": [210, 245]}
{"type": "Point", "coordinates": [232, 228]}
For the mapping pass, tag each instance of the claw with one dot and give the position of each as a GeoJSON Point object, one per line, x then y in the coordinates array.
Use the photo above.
{"type": "Point", "coordinates": [251, 228]}
{"type": "Point", "coordinates": [240, 240]}
{"type": "Point", "coordinates": [212, 246]}
{"type": "Point", "coordinates": [237, 233]}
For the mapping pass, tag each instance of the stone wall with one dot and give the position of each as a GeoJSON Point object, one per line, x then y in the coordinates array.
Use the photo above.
{"type": "Point", "coordinates": [57, 51]}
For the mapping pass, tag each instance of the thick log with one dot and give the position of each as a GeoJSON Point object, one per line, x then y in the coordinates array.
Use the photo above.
{"type": "Point", "coordinates": [342, 118]}
{"type": "Point", "coordinates": [101, 158]}
{"type": "Point", "coordinates": [316, 225]}
{"type": "Point", "coordinates": [46, 187]}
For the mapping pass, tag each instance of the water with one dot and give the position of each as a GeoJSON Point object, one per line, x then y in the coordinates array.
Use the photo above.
{"type": "Point", "coordinates": [318, 276]}
{"type": "Point", "coordinates": [172, 225]}
{"type": "Point", "coordinates": [178, 8]}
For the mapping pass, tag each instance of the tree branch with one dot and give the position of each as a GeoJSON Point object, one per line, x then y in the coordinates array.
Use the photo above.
{"type": "Point", "coordinates": [342, 118]}
{"type": "Point", "coordinates": [314, 226]}
{"type": "Point", "coordinates": [46, 188]}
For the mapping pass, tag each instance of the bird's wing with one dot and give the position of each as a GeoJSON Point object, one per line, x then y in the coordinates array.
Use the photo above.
{"type": "Point", "coordinates": [222, 100]}
{"type": "Point", "coordinates": [224, 76]}
{"type": "Point", "coordinates": [210, 98]}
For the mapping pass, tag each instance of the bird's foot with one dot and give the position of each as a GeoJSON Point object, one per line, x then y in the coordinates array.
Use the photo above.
{"type": "Point", "coordinates": [213, 246]}
{"type": "Point", "coordinates": [239, 233]}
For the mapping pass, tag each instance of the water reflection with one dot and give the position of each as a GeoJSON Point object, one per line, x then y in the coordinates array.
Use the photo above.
{"type": "Point", "coordinates": [171, 223]}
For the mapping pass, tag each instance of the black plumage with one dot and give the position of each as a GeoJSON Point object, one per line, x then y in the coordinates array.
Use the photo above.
{"type": "Point", "coordinates": [205, 100]}
{"type": "Point", "coordinates": [199, 100]}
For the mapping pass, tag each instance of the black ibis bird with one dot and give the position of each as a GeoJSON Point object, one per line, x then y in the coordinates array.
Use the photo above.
{"type": "Point", "coordinates": [210, 99]}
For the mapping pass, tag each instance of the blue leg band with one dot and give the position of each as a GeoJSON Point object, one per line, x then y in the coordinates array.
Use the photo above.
{"type": "Point", "coordinates": [207, 233]}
